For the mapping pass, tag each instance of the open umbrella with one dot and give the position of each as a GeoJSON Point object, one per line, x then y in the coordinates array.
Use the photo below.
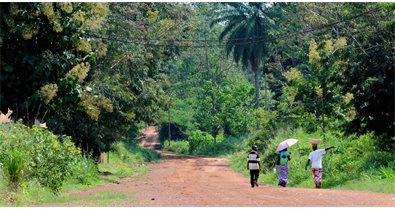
{"type": "Point", "coordinates": [285, 144]}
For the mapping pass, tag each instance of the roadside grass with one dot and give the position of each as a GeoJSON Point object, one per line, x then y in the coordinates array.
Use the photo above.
{"type": "Point", "coordinates": [105, 198]}
{"type": "Point", "coordinates": [367, 182]}
{"type": "Point", "coordinates": [126, 159]}
{"type": "Point", "coordinates": [375, 186]}
{"type": "Point", "coordinates": [34, 194]}
{"type": "Point", "coordinates": [179, 147]}
{"type": "Point", "coordinates": [356, 163]}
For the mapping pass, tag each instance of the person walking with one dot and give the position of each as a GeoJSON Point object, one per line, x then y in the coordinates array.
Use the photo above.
{"type": "Point", "coordinates": [282, 161]}
{"type": "Point", "coordinates": [316, 162]}
{"type": "Point", "coordinates": [254, 165]}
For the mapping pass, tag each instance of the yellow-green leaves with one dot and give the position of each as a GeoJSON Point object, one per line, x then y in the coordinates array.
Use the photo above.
{"type": "Point", "coordinates": [149, 56]}
{"type": "Point", "coordinates": [79, 71]}
{"type": "Point", "coordinates": [78, 17]}
{"type": "Point", "coordinates": [67, 7]}
{"type": "Point", "coordinates": [28, 31]}
{"type": "Point", "coordinates": [167, 26]}
{"type": "Point", "coordinates": [48, 92]}
{"type": "Point", "coordinates": [350, 114]}
{"type": "Point", "coordinates": [314, 56]}
{"type": "Point", "coordinates": [290, 92]}
{"type": "Point", "coordinates": [328, 47]}
{"type": "Point", "coordinates": [96, 14]}
{"type": "Point", "coordinates": [89, 16]}
{"type": "Point", "coordinates": [52, 15]}
{"type": "Point", "coordinates": [84, 45]}
{"type": "Point", "coordinates": [318, 90]}
{"type": "Point", "coordinates": [48, 10]}
{"type": "Point", "coordinates": [293, 74]}
{"type": "Point", "coordinates": [347, 98]}
{"type": "Point", "coordinates": [99, 47]}
{"type": "Point", "coordinates": [152, 16]}
{"type": "Point", "coordinates": [340, 43]}
{"type": "Point", "coordinates": [93, 103]}
{"type": "Point", "coordinates": [315, 20]}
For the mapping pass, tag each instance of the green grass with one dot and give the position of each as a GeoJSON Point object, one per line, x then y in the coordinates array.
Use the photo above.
{"type": "Point", "coordinates": [369, 185]}
{"type": "Point", "coordinates": [33, 194]}
{"type": "Point", "coordinates": [125, 160]}
{"type": "Point", "coordinates": [179, 147]}
{"type": "Point", "coordinates": [104, 198]}
{"type": "Point", "coordinates": [355, 163]}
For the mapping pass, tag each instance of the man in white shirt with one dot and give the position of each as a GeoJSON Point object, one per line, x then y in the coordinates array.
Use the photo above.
{"type": "Point", "coordinates": [254, 165]}
{"type": "Point", "coordinates": [316, 162]}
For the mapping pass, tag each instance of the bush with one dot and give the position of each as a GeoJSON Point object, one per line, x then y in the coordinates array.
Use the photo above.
{"type": "Point", "coordinates": [197, 138]}
{"type": "Point", "coordinates": [221, 146]}
{"type": "Point", "coordinates": [49, 159]}
{"type": "Point", "coordinates": [180, 147]}
{"type": "Point", "coordinates": [85, 170]}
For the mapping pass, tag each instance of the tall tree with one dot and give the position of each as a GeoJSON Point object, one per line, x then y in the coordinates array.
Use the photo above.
{"type": "Point", "coordinates": [247, 35]}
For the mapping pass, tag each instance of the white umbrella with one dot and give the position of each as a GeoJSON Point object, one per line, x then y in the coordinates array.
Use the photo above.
{"type": "Point", "coordinates": [285, 144]}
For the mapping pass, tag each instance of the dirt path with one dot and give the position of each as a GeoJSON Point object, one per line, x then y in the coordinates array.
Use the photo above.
{"type": "Point", "coordinates": [149, 138]}
{"type": "Point", "coordinates": [201, 181]}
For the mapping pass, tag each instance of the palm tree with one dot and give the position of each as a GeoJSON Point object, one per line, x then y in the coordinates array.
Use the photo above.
{"type": "Point", "coordinates": [246, 34]}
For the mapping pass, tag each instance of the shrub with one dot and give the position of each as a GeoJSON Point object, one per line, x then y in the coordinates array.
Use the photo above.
{"type": "Point", "coordinates": [49, 159]}
{"type": "Point", "coordinates": [85, 170]}
{"type": "Point", "coordinates": [180, 147]}
{"type": "Point", "coordinates": [14, 168]}
{"type": "Point", "coordinates": [221, 147]}
{"type": "Point", "coordinates": [197, 138]}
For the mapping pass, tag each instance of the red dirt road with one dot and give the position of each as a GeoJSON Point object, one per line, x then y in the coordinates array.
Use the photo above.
{"type": "Point", "coordinates": [202, 181]}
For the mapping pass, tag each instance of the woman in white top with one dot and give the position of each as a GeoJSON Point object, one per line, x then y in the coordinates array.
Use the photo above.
{"type": "Point", "coordinates": [316, 162]}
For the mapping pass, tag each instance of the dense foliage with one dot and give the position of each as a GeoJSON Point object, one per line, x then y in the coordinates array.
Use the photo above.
{"type": "Point", "coordinates": [98, 72]}
{"type": "Point", "coordinates": [354, 160]}
{"type": "Point", "coordinates": [56, 57]}
{"type": "Point", "coordinates": [321, 71]}
{"type": "Point", "coordinates": [37, 154]}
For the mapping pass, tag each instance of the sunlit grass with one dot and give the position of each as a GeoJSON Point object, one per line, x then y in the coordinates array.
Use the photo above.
{"type": "Point", "coordinates": [126, 160]}
{"type": "Point", "coordinates": [105, 198]}
{"type": "Point", "coordinates": [354, 164]}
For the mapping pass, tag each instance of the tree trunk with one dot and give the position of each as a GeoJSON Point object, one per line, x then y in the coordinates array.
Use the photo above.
{"type": "Point", "coordinates": [169, 126]}
{"type": "Point", "coordinates": [256, 77]}
{"type": "Point", "coordinates": [266, 94]}
{"type": "Point", "coordinates": [323, 113]}
{"type": "Point", "coordinates": [206, 54]}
